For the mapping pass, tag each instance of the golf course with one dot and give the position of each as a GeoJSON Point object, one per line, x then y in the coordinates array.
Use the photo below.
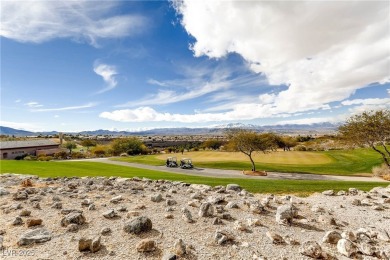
{"type": "Point", "coordinates": [336, 162]}
{"type": "Point", "coordinates": [347, 163]}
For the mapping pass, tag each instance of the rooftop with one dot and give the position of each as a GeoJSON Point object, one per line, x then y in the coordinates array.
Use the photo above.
{"type": "Point", "coordinates": [20, 144]}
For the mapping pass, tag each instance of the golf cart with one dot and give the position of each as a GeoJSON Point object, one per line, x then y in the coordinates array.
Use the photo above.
{"type": "Point", "coordinates": [171, 162]}
{"type": "Point", "coordinates": [186, 163]}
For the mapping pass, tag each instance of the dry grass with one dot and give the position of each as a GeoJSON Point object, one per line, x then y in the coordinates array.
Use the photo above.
{"type": "Point", "coordinates": [279, 157]}
{"type": "Point", "coordinates": [386, 177]}
{"type": "Point", "coordinates": [382, 171]}
{"type": "Point", "coordinates": [26, 183]}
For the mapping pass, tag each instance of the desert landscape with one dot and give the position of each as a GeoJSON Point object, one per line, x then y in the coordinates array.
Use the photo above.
{"type": "Point", "coordinates": [140, 218]}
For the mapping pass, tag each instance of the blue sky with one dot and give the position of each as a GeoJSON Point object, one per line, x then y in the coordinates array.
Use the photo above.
{"type": "Point", "coordinates": [128, 65]}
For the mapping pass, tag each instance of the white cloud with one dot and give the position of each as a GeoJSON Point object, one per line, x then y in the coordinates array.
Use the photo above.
{"type": "Point", "coordinates": [18, 101]}
{"type": "Point", "coordinates": [148, 114]}
{"type": "Point", "coordinates": [267, 98]}
{"type": "Point", "coordinates": [107, 72]}
{"type": "Point", "coordinates": [388, 91]}
{"type": "Point", "coordinates": [22, 126]}
{"type": "Point", "coordinates": [322, 50]}
{"type": "Point", "coordinates": [40, 21]}
{"type": "Point", "coordinates": [89, 105]}
{"type": "Point", "coordinates": [367, 101]}
{"type": "Point", "coordinates": [306, 121]}
{"type": "Point", "coordinates": [56, 116]}
{"type": "Point", "coordinates": [33, 104]}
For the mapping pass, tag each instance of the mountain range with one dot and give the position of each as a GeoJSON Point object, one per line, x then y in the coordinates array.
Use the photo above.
{"type": "Point", "coordinates": [213, 130]}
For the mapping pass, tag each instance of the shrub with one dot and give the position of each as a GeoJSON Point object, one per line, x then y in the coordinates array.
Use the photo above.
{"type": "Point", "coordinates": [45, 158]}
{"type": "Point", "coordinates": [30, 158]}
{"type": "Point", "coordinates": [300, 148]}
{"type": "Point", "coordinates": [61, 155]}
{"type": "Point", "coordinates": [381, 171]}
{"type": "Point", "coordinates": [20, 157]}
{"type": "Point", "coordinates": [124, 155]}
{"type": "Point", "coordinates": [77, 155]}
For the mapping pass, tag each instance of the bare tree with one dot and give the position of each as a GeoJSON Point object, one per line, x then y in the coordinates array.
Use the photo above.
{"type": "Point", "coordinates": [369, 129]}
{"type": "Point", "coordinates": [249, 142]}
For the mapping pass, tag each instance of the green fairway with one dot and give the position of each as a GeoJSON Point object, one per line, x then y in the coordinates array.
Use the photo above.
{"type": "Point", "coordinates": [337, 162]}
{"type": "Point", "coordinates": [80, 169]}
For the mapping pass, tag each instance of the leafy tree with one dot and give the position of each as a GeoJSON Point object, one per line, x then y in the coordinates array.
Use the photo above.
{"type": "Point", "coordinates": [99, 150]}
{"type": "Point", "coordinates": [88, 143]}
{"type": "Point", "coordinates": [129, 145]}
{"type": "Point", "coordinates": [70, 145]}
{"type": "Point", "coordinates": [370, 129]}
{"type": "Point", "coordinates": [249, 142]}
{"type": "Point", "coordinates": [286, 142]}
{"type": "Point", "coordinates": [213, 144]}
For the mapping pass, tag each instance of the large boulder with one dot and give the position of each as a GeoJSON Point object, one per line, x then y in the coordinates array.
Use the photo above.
{"type": "Point", "coordinates": [146, 245]}
{"type": "Point", "coordinates": [206, 210]}
{"type": "Point", "coordinates": [20, 195]}
{"type": "Point", "coordinates": [233, 187]}
{"type": "Point", "coordinates": [346, 247]}
{"type": "Point", "coordinates": [285, 214]}
{"type": "Point", "coordinates": [138, 225]}
{"type": "Point", "coordinates": [90, 244]}
{"type": "Point", "coordinates": [3, 192]}
{"type": "Point", "coordinates": [311, 249]}
{"type": "Point", "coordinates": [38, 235]}
{"type": "Point", "coordinates": [331, 237]}
{"type": "Point", "coordinates": [73, 217]}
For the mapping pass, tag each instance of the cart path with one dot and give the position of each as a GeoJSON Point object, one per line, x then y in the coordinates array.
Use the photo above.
{"type": "Point", "coordinates": [218, 173]}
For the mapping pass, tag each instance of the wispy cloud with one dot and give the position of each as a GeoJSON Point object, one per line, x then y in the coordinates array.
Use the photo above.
{"type": "Point", "coordinates": [107, 72]}
{"type": "Point", "coordinates": [367, 101]}
{"type": "Point", "coordinates": [89, 105]}
{"type": "Point", "coordinates": [40, 21]}
{"type": "Point", "coordinates": [18, 101]}
{"type": "Point", "coordinates": [33, 104]}
{"type": "Point", "coordinates": [198, 82]}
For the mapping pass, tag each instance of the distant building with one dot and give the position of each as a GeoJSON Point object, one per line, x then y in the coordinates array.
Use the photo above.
{"type": "Point", "coordinates": [12, 149]}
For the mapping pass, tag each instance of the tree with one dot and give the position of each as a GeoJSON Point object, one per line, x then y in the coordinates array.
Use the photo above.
{"type": "Point", "coordinates": [70, 145]}
{"type": "Point", "coordinates": [249, 142]}
{"type": "Point", "coordinates": [286, 142]}
{"type": "Point", "coordinates": [370, 129]}
{"type": "Point", "coordinates": [88, 143]}
{"type": "Point", "coordinates": [213, 144]}
{"type": "Point", "coordinates": [129, 145]}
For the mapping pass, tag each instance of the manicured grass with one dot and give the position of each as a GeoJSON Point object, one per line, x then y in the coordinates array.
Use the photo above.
{"type": "Point", "coordinates": [278, 157]}
{"type": "Point", "coordinates": [338, 162]}
{"type": "Point", "coordinates": [80, 169]}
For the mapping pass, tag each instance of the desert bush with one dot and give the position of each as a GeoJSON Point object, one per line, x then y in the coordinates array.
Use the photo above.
{"type": "Point", "coordinates": [61, 155]}
{"type": "Point", "coordinates": [45, 158]}
{"type": "Point", "coordinates": [30, 158]}
{"type": "Point", "coordinates": [20, 157]}
{"type": "Point", "coordinates": [77, 155]}
{"type": "Point", "coordinates": [300, 148]}
{"type": "Point", "coordinates": [381, 170]}
{"type": "Point", "coordinates": [100, 150]}
{"type": "Point", "coordinates": [26, 183]}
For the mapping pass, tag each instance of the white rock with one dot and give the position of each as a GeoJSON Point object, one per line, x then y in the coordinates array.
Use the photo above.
{"type": "Point", "coordinates": [346, 247]}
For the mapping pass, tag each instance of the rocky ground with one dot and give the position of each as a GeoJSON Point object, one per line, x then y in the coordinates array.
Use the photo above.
{"type": "Point", "coordinates": [116, 218]}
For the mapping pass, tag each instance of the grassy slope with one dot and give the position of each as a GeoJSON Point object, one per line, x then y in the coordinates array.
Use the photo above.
{"type": "Point", "coordinates": [359, 161]}
{"type": "Point", "coordinates": [80, 169]}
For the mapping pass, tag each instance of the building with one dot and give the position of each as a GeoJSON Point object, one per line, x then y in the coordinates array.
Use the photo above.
{"type": "Point", "coordinates": [12, 149]}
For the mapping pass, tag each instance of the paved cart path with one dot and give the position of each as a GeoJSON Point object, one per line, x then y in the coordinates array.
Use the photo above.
{"type": "Point", "coordinates": [219, 173]}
